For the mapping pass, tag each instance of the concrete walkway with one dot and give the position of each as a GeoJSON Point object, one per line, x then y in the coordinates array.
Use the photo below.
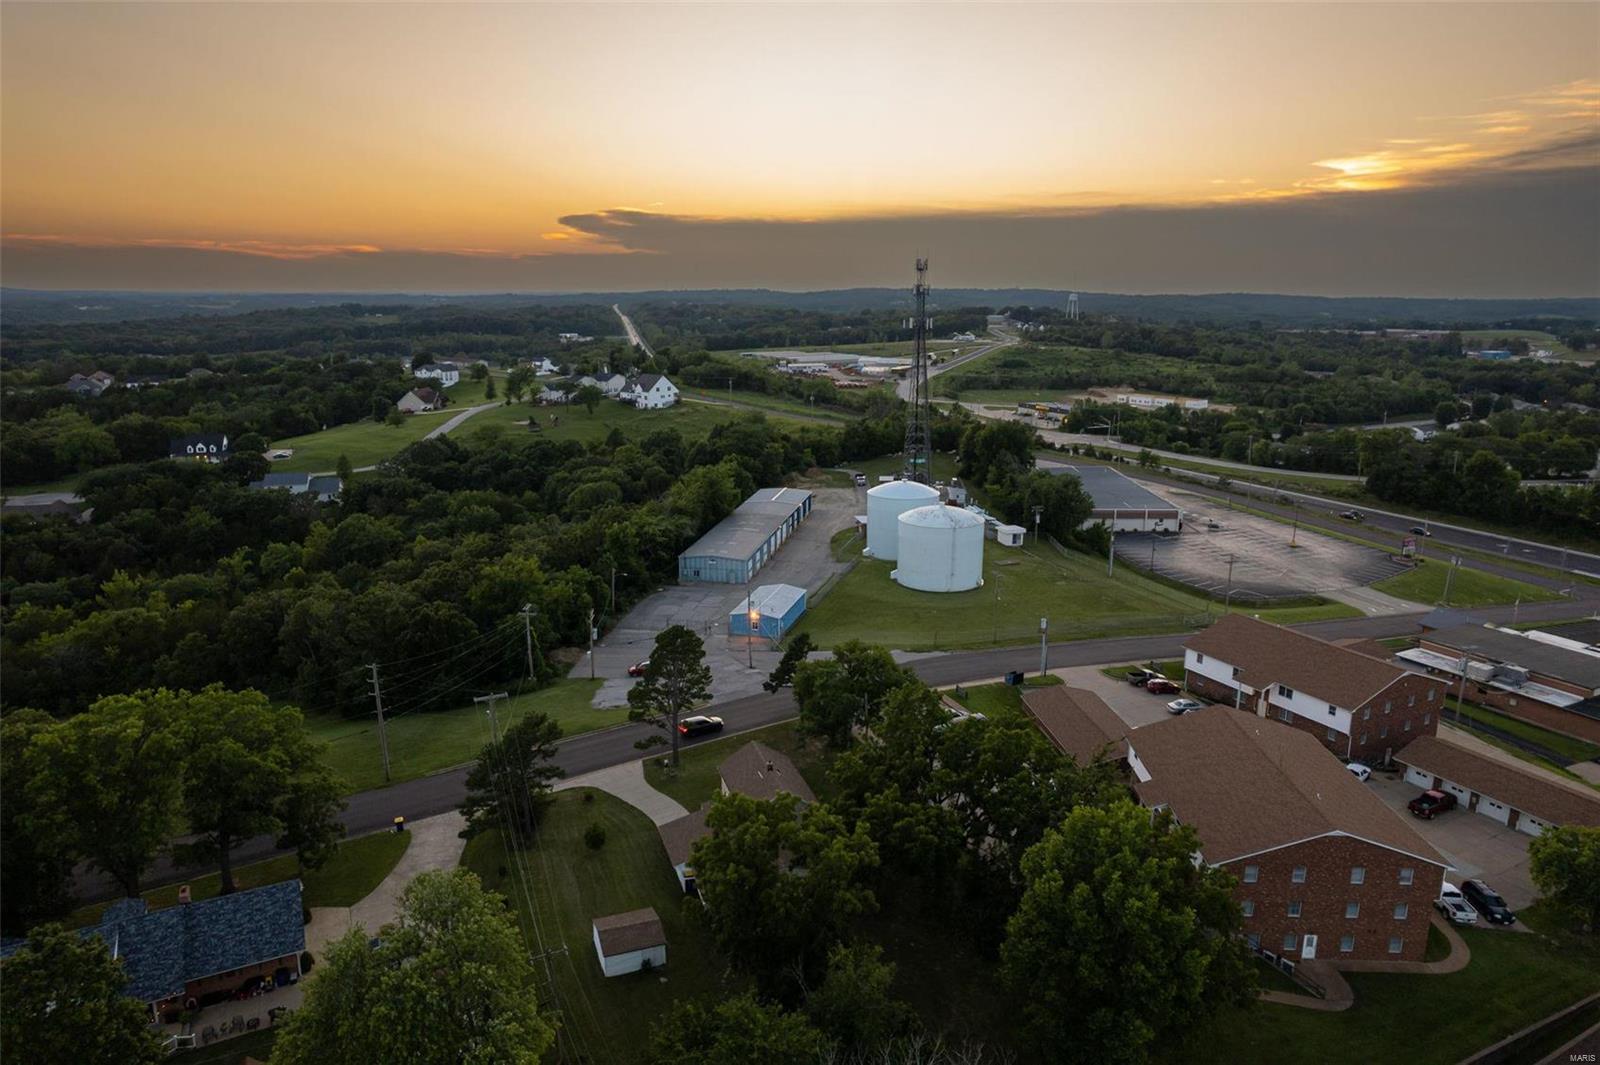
{"type": "Point", "coordinates": [1330, 973]}
{"type": "Point", "coordinates": [626, 782]}
{"type": "Point", "coordinates": [456, 420]}
{"type": "Point", "coordinates": [436, 843]}
{"type": "Point", "coordinates": [1372, 602]}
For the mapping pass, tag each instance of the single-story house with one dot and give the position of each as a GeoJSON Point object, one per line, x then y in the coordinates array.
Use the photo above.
{"type": "Point", "coordinates": [1524, 799]}
{"type": "Point", "coordinates": [420, 399]}
{"type": "Point", "coordinates": [323, 486]}
{"type": "Point", "coordinates": [201, 447]}
{"type": "Point", "coordinates": [446, 373]}
{"type": "Point", "coordinates": [760, 772]}
{"type": "Point", "coordinates": [42, 505]}
{"type": "Point", "coordinates": [1078, 722]}
{"type": "Point", "coordinates": [543, 366]}
{"type": "Point", "coordinates": [649, 391]}
{"type": "Point", "coordinates": [629, 942]}
{"type": "Point", "coordinates": [196, 953]}
{"type": "Point", "coordinates": [89, 384]}
{"type": "Point", "coordinates": [770, 611]}
{"type": "Point", "coordinates": [679, 837]}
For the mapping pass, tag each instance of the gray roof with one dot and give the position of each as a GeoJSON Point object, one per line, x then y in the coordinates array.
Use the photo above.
{"type": "Point", "coordinates": [283, 480]}
{"type": "Point", "coordinates": [1110, 490]}
{"type": "Point", "coordinates": [325, 484]}
{"type": "Point", "coordinates": [739, 534]}
{"type": "Point", "coordinates": [770, 600]}
{"type": "Point", "coordinates": [1500, 646]}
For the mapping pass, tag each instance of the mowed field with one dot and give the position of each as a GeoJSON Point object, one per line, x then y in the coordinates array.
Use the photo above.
{"type": "Point", "coordinates": [1534, 337]}
{"type": "Point", "coordinates": [1468, 587]}
{"type": "Point", "coordinates": [364, 443]}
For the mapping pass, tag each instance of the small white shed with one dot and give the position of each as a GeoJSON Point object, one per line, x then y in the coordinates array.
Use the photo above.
{"type": "Point", "coordinates": [1010, 535]}
{"type": "Point", "coordinates": [628, 942]}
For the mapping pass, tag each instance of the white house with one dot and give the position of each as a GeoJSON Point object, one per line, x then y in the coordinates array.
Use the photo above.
{"type": "Point", "coordinates": [609, 383]}
{"type": "Point", "coordinates": [446, 373]}
{"type": "Point", "coordinates": [649, 391]}
{"type": "Point", "coordinates": [629, 942]}
{"type": "Point", "coordinates": [968, 337]}
{"type": "Point", "coordinates": [543, 366]}
{"type": "Point", "coordinates": [553, 392]}
{"type": "Point", "coordinates": [573, 338]}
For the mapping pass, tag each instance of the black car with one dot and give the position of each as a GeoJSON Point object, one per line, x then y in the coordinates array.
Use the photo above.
{"type": "Point", "coordinates": [699, 725]}
{"type": "Point", "coordinates": [1487, 902]}
{"type": "Point", "coordinates": [1420, 531]}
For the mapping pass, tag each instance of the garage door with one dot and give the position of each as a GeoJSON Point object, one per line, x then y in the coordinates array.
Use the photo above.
{"type": "Point", "coordinates": [1495, 811]}
{"type": "Point", "coordinates": [1531, 825]}
{"type": "Point", "coordinates": [1458, 791]}
{"type": "Point", "coordinates": [1419, 778]}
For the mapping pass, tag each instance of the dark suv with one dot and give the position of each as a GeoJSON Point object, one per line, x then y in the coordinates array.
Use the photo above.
{"type": "Point", "coordinates": [699, 725]}
{"type": "Point", "coordinates": [1488, 902]}
{"type": "Point", "coordinates": [1431, 804]}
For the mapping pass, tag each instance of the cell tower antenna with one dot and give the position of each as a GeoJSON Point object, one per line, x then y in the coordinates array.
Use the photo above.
{"type": "Point", "coordinates": [919, 424]}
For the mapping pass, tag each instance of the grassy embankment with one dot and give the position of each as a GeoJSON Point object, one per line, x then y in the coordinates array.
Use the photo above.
{"type": "Point", "coordinates": [1468, 587]}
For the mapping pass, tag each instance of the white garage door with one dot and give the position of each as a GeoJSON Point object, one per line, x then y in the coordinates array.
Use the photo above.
{"type": "Point", "coordinates": [1458, 791]}
{"type": "Point", "coordinates": [1531, 825]}
{"type": "Point", "coordinates": [1419, 778]}
{"type": "Point", "coordinates": [1495, 811]}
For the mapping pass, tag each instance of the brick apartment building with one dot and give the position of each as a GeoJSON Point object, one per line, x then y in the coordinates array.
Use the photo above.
{"type": "Point", "coordinates": [1355, 704]}
{"type": "Point", "coordinates": [1324, 869]}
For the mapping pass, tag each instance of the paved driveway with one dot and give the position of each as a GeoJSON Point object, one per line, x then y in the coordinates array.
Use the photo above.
{"type": "Point", "coordinates": [1475, 845]}
{"type": "Point", "coordinates": [1135, 706]}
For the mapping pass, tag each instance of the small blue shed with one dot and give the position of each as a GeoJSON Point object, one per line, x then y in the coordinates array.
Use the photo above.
{"type": "Point", "coordinates": [776, 607]}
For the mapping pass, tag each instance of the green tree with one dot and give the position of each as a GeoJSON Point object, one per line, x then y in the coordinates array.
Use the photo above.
{"type": "Point", "coordinates": [488, 388]}
{"type": "Point", "coordinates": [35, 861]}
{"type": "Point", "coordinates": [782, 881]}
{"type": "Point", "coordinates": [64, 1005]}
{"type": "Point", "coordinates": [734, 1031]}
{"type": "Point", "coordinates": [449, 980]}
{"type": "Point", "coordinates": [509, 786]}
{"type": "Point", "coordinates": [793, 655]}
{"type": "Point", "coordinates": [519, 382]}
{"type": "Point", "coordinates": [252, 769]}
{"type": "Point", "coordinates": [853, 1005]}
{"type": "Point", "coordinates": [479, 371]}
{"type": "Point", "coordinates": [345, 470]}
{"type": "Point", "coordinates": [115, 780]}
{"type": "Point", "coordinates": [675, 682]}
{"type": "Point", "coordinates": [837, 694]}
{"type": "Point", "coordinates": [1110, 885]}
{"type": "Point", "coordinates": [1565, 864]}
{"type": "Point", "coordinates": [590, 396]}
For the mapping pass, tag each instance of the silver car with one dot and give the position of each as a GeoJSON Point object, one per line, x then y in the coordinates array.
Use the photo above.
{"type": "Point", "coordinates": [1456, 909]}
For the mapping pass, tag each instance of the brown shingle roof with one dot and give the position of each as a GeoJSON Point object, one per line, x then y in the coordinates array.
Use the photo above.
{"type": "Point", "coordinates": [1547, 800]}
{"type": "Point", "coordinates": [1248, 784]}
{"type": "Point", "coordinates": [1271, 654]}
{"type": "Point", "coordinates": [760, 772]}
{"type": "Point", "coordinates": [1077, 721]}
{"type": "Point", "coordinates": [680, 835]}
{"type": "Point", "coordinates": [634, 930]}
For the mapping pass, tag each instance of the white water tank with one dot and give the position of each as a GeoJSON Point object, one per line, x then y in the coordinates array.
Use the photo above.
{"type": "Point", "coordinates": [941, 549]}
{"type": "Point", "coordinates": [885, 504]}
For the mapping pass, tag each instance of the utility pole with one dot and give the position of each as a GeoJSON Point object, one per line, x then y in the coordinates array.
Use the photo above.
{"type": "Point", "coordinates": [494, 723]}
{"type": "Point", "coordinates": [1461, 692]}
{"type": "Point", "coordinates": [1038, 512]}
{"type": "Point", "coordinates": [591, 643]}
{"type": "Point", "coordinates": [1044, 646]}
{"type": "Point", "coordinates": [1449, 575]}
{"type": "Point", "coordinates": [527, 634]}
{"type": "Point", "coordinates": [750, 620]}
{"type": "Point", "coordinates": [1111, 550]}
{"type": "Point", "coordinates": [1228, 599]}
{"type": "Point", "coordinates": [383, 735]}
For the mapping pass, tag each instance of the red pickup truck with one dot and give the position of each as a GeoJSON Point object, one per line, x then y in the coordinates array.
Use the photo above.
{"type": "Point", "coordinates": [1431, 803]}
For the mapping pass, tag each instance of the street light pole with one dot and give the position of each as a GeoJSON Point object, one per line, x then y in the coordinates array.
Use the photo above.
{"type": "Point", "coordinates": [1038, 511]}
{"type": "Point", "coordinates": [591, 643]}
{"type": "Point", "coordinates": [1228, 599]}
{"type": "Point", "coordinates": [1111, 550]}
{"type": "Point", "coordinates": [1044, 646]}
{"type": "Point", "coordinates": [753, 620]}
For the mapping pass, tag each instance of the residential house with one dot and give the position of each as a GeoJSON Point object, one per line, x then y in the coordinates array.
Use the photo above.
{"type": "Point", "coordinates": [559, 391]}
{"type": "Point", "coordinates": [420, 399]}
{"type": "Point", "coordinates": [542, 366]}
{"type": "Point", "coordinates": [1078, 722]}
{"type": "Point", "coordinates": [200, 372]}
{"type": "Point", "coordinates": [1520, 796]}
{"type": "Point", "coordinates": [649, 391]}
{"type": "Point", "coordinates": [679, 837]}
{"type": "Point", "coordinates": [758, 771]}
{"type": "Point", "coordinates": [1359, 707]}
{"type": "Point", "coordinates": [89, 384]}
{"type": "Point", "coordinates": [201, 447]}
{"type": "Point", "coordinates": [1323, 868]}
{"type": "Point", "coordinates": [630, 942]}
{"type": "Point", "coordinates": [193, 954]}
{"type": "Point", "coordinates": [610, 383]}
{"type": "Point", "coordinates": [324, 487]}
{"type": "Point", "coordinates": [43, 505]}
{"type": "Point", "coordinates": [446, 373]}
{"type": "Point", "coordinates": [573, 338]}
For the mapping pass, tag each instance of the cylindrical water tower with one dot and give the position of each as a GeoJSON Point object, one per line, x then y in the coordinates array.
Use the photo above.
{"type": "Point", "coordinates": [885, 504]}
{"type": "Point", "coordinates": [941, 549]}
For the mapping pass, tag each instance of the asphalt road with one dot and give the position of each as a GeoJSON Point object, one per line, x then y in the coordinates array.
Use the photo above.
{"type": "Point", "coordinates": [634, 336]}
{"type": "Point", "coordinates": [373, 811]}
{"type": "Point", "coordinates": [903, 389]}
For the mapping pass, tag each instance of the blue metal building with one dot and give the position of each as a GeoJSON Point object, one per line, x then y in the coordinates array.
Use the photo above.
{"type": "Point", "coordinates": [744, 541]}
{"type": "Point", "coordinates": [776, 608]}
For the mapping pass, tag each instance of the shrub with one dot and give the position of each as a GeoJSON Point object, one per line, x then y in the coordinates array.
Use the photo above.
{"type": "Point", "coordinates": [594, 837]}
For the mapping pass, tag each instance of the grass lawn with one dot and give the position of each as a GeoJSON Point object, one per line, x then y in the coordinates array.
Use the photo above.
{"type": "Point", "coordinates": [1020, 586]}
{"type": "Point", "coordinates": [255, 1045]}
{"type": "Point", "coordinates": [1000, 700]}
{"type": "Point", "coordinates": [1575, 750]}
{"type": "Point", "coordinates": [1469, 587]}
{"type": "Point", "coordinates": [357, 867]}
{"type": "Point", "coordinates": [422, 743]}
{"type": "Point", "coordinates": [690, 419]}
{"type": "Point", "coordinates": [1009, 397]}
{"type": "Point", "coordinates": [944, 467]}
{"type": "Point", "coordinates": [696, 780]}
{"type": "Point", "coordinates": [602, 1019]}
{"type": "Point", "coordinates": [365, 443]}
{"type": "Point", "coordinates": [770, 404]}
{"type": "Point", "coordinates": [1512, 981]}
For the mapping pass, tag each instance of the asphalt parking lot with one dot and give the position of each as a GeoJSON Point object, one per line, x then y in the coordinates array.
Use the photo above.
{"type": "Point", "coordinates": [1476, 846]}
{"type": "Point", "coordinates": [1264, 565]}
{"type": "Point", "coordinates": [1135, 706]}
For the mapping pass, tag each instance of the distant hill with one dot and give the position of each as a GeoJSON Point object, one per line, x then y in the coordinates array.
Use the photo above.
{"type": "Point", "coordinates": [35, 307]}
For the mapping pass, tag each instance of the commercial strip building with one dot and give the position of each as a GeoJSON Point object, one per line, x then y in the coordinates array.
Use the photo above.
{"type": "Point", "coordinates": [1357, 706]}
{"type": "Point", "coordinates": [1523, 799]}
{"type": "Point", "coordinates": [743, 542]}
{"type": "Point", "coordinates": [1324, 869]}
{"type": "Point", "coordinates": [1121, 503]}
{"type": "Point", "coordinates": [1539, 677]}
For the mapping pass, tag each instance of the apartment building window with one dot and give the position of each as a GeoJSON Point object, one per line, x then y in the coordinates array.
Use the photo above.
{"type": "Point", "coordinates": [1366, 713]}
{"type": "Point", "coordinates": [1411, 700]}
{"type": "Point", "coordinates": [1198, 657]}
{"type": "Point", "coordinates": [1286, 691]}
{"type": "Point", "coordinates": [1299, 874]}
{"type": "Point", "coordinates": [1396, 944]}
{"type": "Point", "coordinates": [1406, 876]}
{"type": "Point", "coordinates": [1235, 672]}
{"type": "Point", "coordinates": [1333, 733]}
{"type": "Point", "coordinates": [1247, 908]}
{"type": "Point", "coordinates": [1388, 704]}
{"type": "Point", "coordinates": [1363, 739]}
{"type": "Point", "coordinates": [1405, 726]}
{"type": "Point", "coordinates": [1254, 939]}
{"type": "Point", "coordinates": [1383, 732]}
{"type": "Point", "coordinates": [1352, 910]}
{"type": "Point", "coordinates": [1290, 942]}
{"type": "Point", "coordinates": [1294, 909]}
{"type": "Point", "coordinates": [1347, 944]}
{"type": "Point", "coordinates": [1284, 714]}
{"type": "Point", "coordinates": [1252, 873]}
{"type": "Point", "coordinates": [1427, 718]}
{"type": "Point", "coordinates": [1400, 910]}
{"type": "Point", "coordinates": [1358, 874]}
{"type": "Point", "coordinates": [1430, 695]}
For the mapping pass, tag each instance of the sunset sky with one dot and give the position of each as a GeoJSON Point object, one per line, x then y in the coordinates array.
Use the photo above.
{"type": "Point", "coordinates": [1428, 149]}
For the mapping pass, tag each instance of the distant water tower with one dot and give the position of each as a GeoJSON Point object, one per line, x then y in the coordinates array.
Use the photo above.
{"type": "Point", "coordinates": [1072, 306]}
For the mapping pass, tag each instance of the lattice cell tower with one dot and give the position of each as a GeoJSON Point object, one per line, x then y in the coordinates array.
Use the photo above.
{"type": "Point", "coordinates": [919, 424]}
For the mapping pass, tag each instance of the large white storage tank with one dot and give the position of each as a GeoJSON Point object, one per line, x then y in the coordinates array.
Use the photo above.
{"type": "Point", "coordinates": [885, 504]}
{"type": "Point", "coordinates": [941, 549]}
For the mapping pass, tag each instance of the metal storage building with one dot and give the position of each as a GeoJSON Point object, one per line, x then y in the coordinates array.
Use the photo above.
{"type": "Point", "coordinates": [1123, 504]}
{"type": "Point", "coordinates": [776, 606]}
{"type": "Point", "coordinates": [740, 544]}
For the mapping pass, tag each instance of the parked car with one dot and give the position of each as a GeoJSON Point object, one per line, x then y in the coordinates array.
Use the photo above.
{"type": "Point", "coordinates": [1420, 531]}
{"type": "Point", "coordinates": [1138, 677]}
{"type": "Point", "coordinates": [1352, 515]}
{"type": "Point", "coordinates": [638, 668]}
{"type": "Point", "coordinates": [699, 725]}
{"type": "Point", "coordinates": [1159, 685]}
{"type": "Point", "coordinates": [1488, 902]}
{"type": "Point", "coordinates": [1362, 772]}
{"type": "Point", "coordinates": [1456, 910]}
{"type": "Point", "coordinates": [1184, 706]}
{"type": "Point", "coordinates": [1431, 804]}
